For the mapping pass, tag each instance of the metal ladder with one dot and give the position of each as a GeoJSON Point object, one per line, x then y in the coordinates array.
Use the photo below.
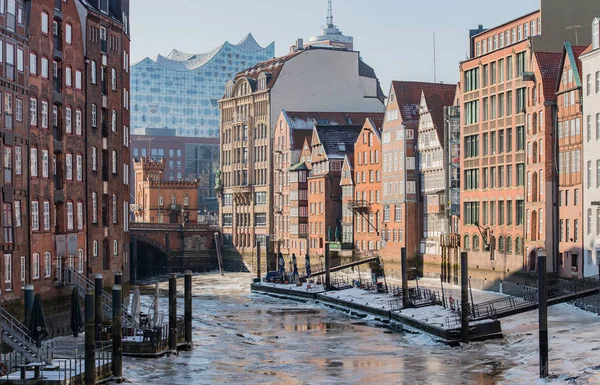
{"type": "Point", "coordinates": [73, 278]}
{"type": "Point", "coordinates": [17, 337]}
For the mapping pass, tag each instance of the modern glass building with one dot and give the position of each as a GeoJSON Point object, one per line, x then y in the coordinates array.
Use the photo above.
{"type": "Point", "coordinates": [181, 91]}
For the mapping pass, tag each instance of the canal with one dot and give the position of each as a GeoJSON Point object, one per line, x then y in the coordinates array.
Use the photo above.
{"type": "Point", "coordinates": [244, 338]}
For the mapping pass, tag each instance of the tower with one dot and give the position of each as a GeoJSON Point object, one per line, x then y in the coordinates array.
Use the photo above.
{"type": "Point", "coordinates": [329, 15]}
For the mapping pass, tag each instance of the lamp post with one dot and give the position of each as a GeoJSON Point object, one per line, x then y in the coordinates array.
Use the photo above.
{"type": "Point", "coordinates": [543, 312]}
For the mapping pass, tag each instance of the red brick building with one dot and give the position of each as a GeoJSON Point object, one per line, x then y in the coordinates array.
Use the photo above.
{"type": "Point", "coordinates": [291, 160]}
{"type": "Point", "coordinates": [347, 184]}
{"type": "Point", "coordinates": [160, 201]}
{"type": "Point", "coordinates": [329, 146]}
{"type": "Point", "coordinates": [14, 87]}
{"type": "Point", "coordinates": [107, 133]}
{"type": "Point", "coordinates": [366, 206]}
{"type": "Point", "coordinates": [570, 164]}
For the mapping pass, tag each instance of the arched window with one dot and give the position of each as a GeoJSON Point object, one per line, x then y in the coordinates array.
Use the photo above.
{"type": "Point", "coordinates": [95, 248]}
{"type": "Point", "coordinates": [501, 244]}
{"type": "Point", "coordinates": [466, 242]}
{"type": "Point", "coordinates": [535, 121]}
{"type": "Point", "coordinates": [173, 199]}
{"type": "Point", "coordinates": [508, 245]}
{"type": "Point", "coordinates": [518, 249]}
{"type": "Point", "coordinates": [475, 242]}
{"type": "Point", "coordinates": [534, 153]}
{"type": "Point", "coordinates": [186, 201]}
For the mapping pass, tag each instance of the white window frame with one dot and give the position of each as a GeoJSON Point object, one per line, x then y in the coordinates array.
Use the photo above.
{"type": "Point", "coordinates": [94, 115]}
{"type": "Point", "coordinates": [79, 215]}
{"type": "Point", "coordinates": [78, 79]}
{"type": "Point", "coordinates": [94, 207]}
{"type": "Point", "coordinates": [79, 168]}
{"type": "Point", "coordinates": [69, 166]}
{"type": "Point", "coordinates": [114, 162]}
{"type": "Point", "coordinates": [114, 121]}
{"type": "Point", "coordinates": [78, 124]}
{"type": "Point", "coordinates": [70, 216]}
{"type": "Point", "coordinates": [45, 163]}
{"type": "Point", "coordinates": [115, 209]}
{"type": "Point", "coordinates": [35, 215]}
{"type": "Point", "coordinates": [114, 79]}
{"type": "Point", "coordinates": [69, 76]}
{"type": "Point", "coordinates": [32, 63]}
{"type": "Point", "coordinates": [34, 164]}
{"type": "Point", "coordinates": [69, 33]}
{"type": "Point", "coordinates": [33, 111]}
{"type": "Point", "coordinates": [36, 265]}
{"type": "Point", "coordinates": [95, 248]}
{"type": "Point", "coordinates": [18, 160]}
{"type": "Point", "coordinates": [47, 264]}
{"type": "Point", "coordinates": [44, 114]}
{"type": "Point", "coordinates": [46, 214]}
{"type": "Point", "coordinates": [68, 120]}
{"type": "Point", "coordinates": [45, 68]}
{"type": "Point", "coordinates": [45, 22]}
{"type": "Point", "coordinates": [80, 260]}
{"type": "Point", "coordinates": [94, 159]}
{"type": "Point", "coordinates": [18, 217]}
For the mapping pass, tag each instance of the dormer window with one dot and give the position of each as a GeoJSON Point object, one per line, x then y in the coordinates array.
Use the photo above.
{"type": "Point", "coordinates": [596, 34]}
{"type": "Point", "coordinates": [342, 147]}
{"type": "Point", "coordinates": [104, 6]}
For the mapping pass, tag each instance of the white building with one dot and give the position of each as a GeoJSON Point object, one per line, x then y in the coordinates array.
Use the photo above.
{"type": "Point", "coordinates": [591, 151]}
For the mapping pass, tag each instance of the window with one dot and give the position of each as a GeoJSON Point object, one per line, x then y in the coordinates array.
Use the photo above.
{"type": "Point", "coordinates": [94, 115]}
{"type": "Point", "coordinates": [78, 79]}
{"type": "Point", "coordinates": [69, 215]}
{"type": "Point", "coordinates": [44, 114]}
{"type": "Point", "coordinates": [45, 72]}
{"type": "Point", "coordinates": [114, 79]}
{"type": "Point", "coordinates": [35, 216]}
{"type": "Point", "coordinates": [78, 122]}
{"type": "Point", "coordinates": [32, 63]}
{"type": "Point", "coordinates": [20, 60]}
{"type": "Point", "coordinates": [7, 164]}
{"type": "Point", "coordinates": [115, 247]}
{"type": "Point", "coordinates": [125, 99]}
{"type": "Point", "coordinates": [18, 221]}
{"type": "Point", "coordinates": [94, 74]}
{"type": "Point", "coordinates": [520, 212]}
{"type": "Point", "coordinates": [80, 215]}
{"type": "Point", "coordinates": [68, 76]}
{"type": "Point", "coordinates": [69, 166]}
{"type": "Point", "coordinates": [598, 82]}
{"type": "Point", "coordinates": [114, 121]}
{"type": "Point", "coordinates": [114, 162]}
{"type": "Point", "coordinates": [94, 159]}
{"type": "Point", "coordinates": [95, 248]}
{"type": "Point", "coordinates": [47, 264]}
{"type": "Point", "coordinates": [94, 207]}
{"type": "Point", "coordinates": [44, 23]}
{"type": "Point", "coordinates": [68, 33]}
{"type": "Point", "coordinates": [45, 161]}
{"type": "Point", "coordinates": [34, 164]}
{"type": "Point", "coordinates": [126, 174]}
{"type": "Point", "coordinates": [33, 111]}
{"type": "Point", "coordinates": [7, 223]}
{"type": "Point", "coordinates": [68, 120]}
{"type": "Point", "coordinates": [520, 138]}
{"type": "Point", "coordinates": [115, 209]}
{"type": "Point", "coordinates": [46, 214]}
{"type": "Point", "coordinates": [79, 168]}
{"type": "Point", "coordinates": [80, 260]}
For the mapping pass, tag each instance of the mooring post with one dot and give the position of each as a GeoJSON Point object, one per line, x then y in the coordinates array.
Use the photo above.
{"type": "Point", "coordinates": [327, 267]}
{"type": "Point", "coordinates": [173, 313]}
{"type": "Point", "coordinates": [268, 262]}
{"type": "Point", "coordinates": [258, 260]}
{"type": "Point", "coordinates": [28, 302]}
{"type": "Point", "coordinates": [219, 256]}
{"type": "Point", "coordinates": [404, 266]}
{"type": "Point", "coordinates": [464, 296]}
{"type": "Point", "coordinates": [188, 308]}
{"type": "Point", "coordinates": [90, 342]}
{"type": "Point", "coordinates": [117, 333]}
{"type": "Point", "coordinates": [119, 278]}
{"type": "Point", "coordinates": [134, 260]}
{"type": "Point", "coordinates": [543, 313]}
{"type": "Point", "coordinates": [98, 289]}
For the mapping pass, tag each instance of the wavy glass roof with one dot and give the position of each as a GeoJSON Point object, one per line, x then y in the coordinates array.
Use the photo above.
{"type": "Point", "coordinates": [180, 91]}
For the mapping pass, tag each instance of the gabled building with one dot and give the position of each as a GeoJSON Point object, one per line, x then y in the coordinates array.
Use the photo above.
{"type": "Point", "coordinates": [347, 183]}
{"type": "Point", "coordinates": [366, 206]}
{"type": "Point", "coordinates": [329, 147]}
{"type": "Point", "coordinates": [291, 131]}
{"type": "Point", "coordinates": [569, 92]}
{"type": "Point", "coordinates": [431, 139]}
{"type": "Point", "coordinates": [313, 79]}
{"type": "Point", "coordinates": [590, 60]}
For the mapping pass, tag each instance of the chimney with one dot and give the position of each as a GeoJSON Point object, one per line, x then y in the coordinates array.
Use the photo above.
{"type": "Point", "coordinates": [299, 44]}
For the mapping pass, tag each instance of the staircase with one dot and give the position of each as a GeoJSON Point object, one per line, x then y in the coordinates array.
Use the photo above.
{"type": "Point", "coordinates": [16, 336]}
{"type": "Point", "coordinates": [73, 278]}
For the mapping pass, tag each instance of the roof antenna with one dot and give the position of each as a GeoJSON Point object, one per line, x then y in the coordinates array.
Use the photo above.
{"type": "Point", "coordinates": [575, 27]}
{"type": "Point", "coordinates": [329, 15]}
{"type": "Point", "coordinates": [434, 64]}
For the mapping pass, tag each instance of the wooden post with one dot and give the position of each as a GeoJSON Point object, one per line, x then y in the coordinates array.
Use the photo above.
{"type": "Point", "coordinates": [188, 309]}
{"type": "Point", "coordinates": [90, 342]}
{"type": "Point", "coordinates": [134, 258]}
{"type": "Point", "coordinates": [28, 303]}
{"type": "Point", "coordinates": [98, 289]}
{"type": "Point", "coordinates": [117, 333]}
{"type": "Point", "coordinates": [543, 313]}
{"type": "Point", "coordinates": [404, 266]}
{"type": "Point", "coordinates": [464, 295]}
{"type": "Point", "coordinates": [258, 274]}
{"type": "Point", "coordinates": [219, 257]}
{"type": "Point", "coordinates": [327, 267]}
{"type": "Point", "coordinates": [173, 313]}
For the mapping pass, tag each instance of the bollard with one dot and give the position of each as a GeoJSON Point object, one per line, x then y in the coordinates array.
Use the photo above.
{"type": "Point", "coordinates": [119, 278]}
{"type": "Point", "coordinates": [464, 296]}
{"type": "Point", "coordinates": [98, 289]}
{"type": "Point", "coordinates": [327, 267]}
{"type": "Point", "coordinates": [90, 343]}
{"type": "Point", "coordinates": [28, 303]}
{"type": "Point", "coordinates": [173, 313]}
{"type": "Point", "coordinates": [543, 313]}
{"type": "Point", "coordinates": [117, 333]}
{"type": "Point", "coordinates": [404, 266]}
{"type": "Point", "coordinates": [134, 258]}
{"type": "Point", "coordinates": [258, 260]}
{"type": "Point", "coordinates": [188, 309]}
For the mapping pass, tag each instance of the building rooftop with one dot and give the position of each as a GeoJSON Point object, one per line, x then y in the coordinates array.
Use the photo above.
{"type": "Point", "coordinates": [436, 99]}
{"type": "Point", "coordinates": [408, 94]}
{"type": "Point", "coordinates": [337, 141]}
{"type": "Point", "coordinates": [549, 65]}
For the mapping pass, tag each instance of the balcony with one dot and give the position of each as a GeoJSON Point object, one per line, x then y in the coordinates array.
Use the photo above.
{"type": "Point", "coordinates": [57, 91]}
{"type": "Point", "coordinates": [58, 54]}
{"type": "Point", "coordinates": [59, 195]}
{"type": "Point", "coordinates": [58, 140]}
{"type": "Point", "coordinates": [359, 205]}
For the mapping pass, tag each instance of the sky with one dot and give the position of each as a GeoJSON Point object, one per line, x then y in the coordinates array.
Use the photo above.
{"type": "Point", "coordinates": [395, 37]}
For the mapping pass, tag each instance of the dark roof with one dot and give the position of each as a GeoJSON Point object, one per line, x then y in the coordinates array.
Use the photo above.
{"type": "Point", "coordinates": [304, 119]}
{"type": "Point", "coordinates": [332, 136]}
{"type": "Point", "coordinates": [272, 66]}
{"type": "Point", "coordinates": [437, 98]}
{"type": "Point", "coordinates": [571, 53]}
{"type": "Point", "coordinates": [298, 137]}
{"type": "Point", "coordinates": [299, 167]}
{"type": "Point", "coordinates": [367, 71]}
{"type": "Point", "coordinates": [408, 95]}
{"type": "Point", "coordinates": [549, 65]}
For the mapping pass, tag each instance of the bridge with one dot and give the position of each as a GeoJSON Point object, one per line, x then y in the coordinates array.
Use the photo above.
{"type": "Point", "coordinates": [161, 248]}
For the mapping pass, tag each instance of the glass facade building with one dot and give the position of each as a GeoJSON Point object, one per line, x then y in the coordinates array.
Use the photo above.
{"type": "Point", "coordinates": [181, 91]}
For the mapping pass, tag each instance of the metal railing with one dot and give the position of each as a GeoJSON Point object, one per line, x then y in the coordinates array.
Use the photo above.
{"type": "Point", "coordinates": [82, 283]}
{"type": "Point", "coordinates": [17, 337]}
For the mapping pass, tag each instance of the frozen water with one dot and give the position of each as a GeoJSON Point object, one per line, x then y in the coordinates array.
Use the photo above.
{"type": "Point", "coordinates": [244, 338]}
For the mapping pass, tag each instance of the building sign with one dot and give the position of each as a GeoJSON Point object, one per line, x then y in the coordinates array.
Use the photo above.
{"type": "Point", "coordinates": [61, 245]}
{"type": "Point", "coordinates": [335, 246]}
{"type": "Point", "coordinates": [72, 244]}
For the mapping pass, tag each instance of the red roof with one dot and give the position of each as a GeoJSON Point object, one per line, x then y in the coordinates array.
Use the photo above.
{"type": "Point", "coordinates": [577, 51]}
{"type": "Point", "coordinates": [549, 64]}
{"type": "Point", "coordinates": [437, 98]}
{"type": "Point", "coordinates": [588, 49]}
{"type": "Point", "coordinates": [408, 95]}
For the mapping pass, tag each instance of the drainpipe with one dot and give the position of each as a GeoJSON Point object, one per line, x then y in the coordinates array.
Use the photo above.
{"type": "Point", "coordinates": [85, 174]}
